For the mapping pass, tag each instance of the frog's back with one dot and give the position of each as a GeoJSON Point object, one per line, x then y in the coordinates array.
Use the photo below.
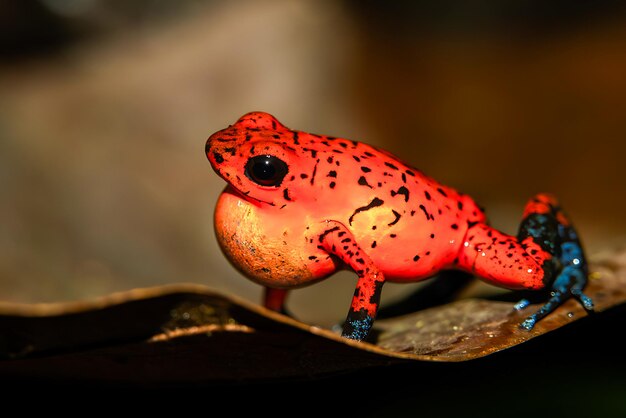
{"type": "Point", "coordinates": [408, 223]}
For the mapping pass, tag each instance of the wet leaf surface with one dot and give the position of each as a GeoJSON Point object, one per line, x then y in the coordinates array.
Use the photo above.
{"type": "Point", "coordinates": [189, 333]}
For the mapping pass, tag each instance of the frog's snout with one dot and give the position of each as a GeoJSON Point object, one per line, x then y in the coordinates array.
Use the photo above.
{"type": "Point", "coordinates": [214, 153]}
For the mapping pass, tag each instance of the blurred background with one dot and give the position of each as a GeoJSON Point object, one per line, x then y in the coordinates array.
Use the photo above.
{"type": "Point", "coordinates": [105, 107]}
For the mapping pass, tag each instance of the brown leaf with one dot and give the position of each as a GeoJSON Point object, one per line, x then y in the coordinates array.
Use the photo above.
{"type": "Point", "coordinates": [187, 333]}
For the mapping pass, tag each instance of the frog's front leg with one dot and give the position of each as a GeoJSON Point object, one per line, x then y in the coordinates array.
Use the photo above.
{"type": "Point", "coordinates": [335, 238]}
{"type": "Point", "coordinates": [274, 299]}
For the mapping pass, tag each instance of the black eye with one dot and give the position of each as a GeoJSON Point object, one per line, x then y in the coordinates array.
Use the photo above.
{"type": "Point", "coordinates": [266, 170]}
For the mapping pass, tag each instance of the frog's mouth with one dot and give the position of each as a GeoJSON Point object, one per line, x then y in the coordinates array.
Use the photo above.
{"type": "Point", "coordinates": [230, 188]}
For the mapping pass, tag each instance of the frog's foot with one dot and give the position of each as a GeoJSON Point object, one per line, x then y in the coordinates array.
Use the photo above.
{"type": "Point", "coordinates": [569, 283]}
{"type": "Point", "coordinates": [547, 226]}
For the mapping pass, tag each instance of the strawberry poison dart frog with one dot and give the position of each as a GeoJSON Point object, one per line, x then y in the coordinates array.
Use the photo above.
{"type": "Point", "coordinates": [300, 206]}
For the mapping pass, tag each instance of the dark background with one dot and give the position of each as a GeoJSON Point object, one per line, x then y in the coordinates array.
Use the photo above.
{"type": "Point", "coordinates": [105, 107]}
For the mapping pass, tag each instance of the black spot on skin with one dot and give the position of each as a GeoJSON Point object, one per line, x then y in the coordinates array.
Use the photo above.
{"type": "Point", "coordinates": [392, 235]}
{"type": "Point", "coordinates": [338, 151]}
{"type": "Point", "coordinates": [410, 173]}
{"type": "Point", "coordinates": [459, 204]}
{"type": "Point", "coordinates": [403, 191]}
{"type": "Point", "coordinates": [416, 258]}
{"type": "Point", "coordinates": [283, 206]}
{"type": "Point", "coordinates": [442, 192]}
{"type": "Point", "coordinates": [432, 236]}
{"type": "Point", "coordinates": [286, 194]}
{"type": "Point", "coordinates": [314, 172]}
{"type": "Point", "coordinates": [360, 261]}
{"type": "Point", "coordinates": [341, 234]}
{"type": "Point", "coordinates": [428, 215]}
{"type": "Point", "coordinates": [218, 157]}
{"type": "Point", "coordinates": [332, 173]}
{"type": "Point", "coordinates": [373, 244]}
{"type": "Point", "coordinates": [312, 257]}
{"type": "Point", "coordinates": [454, 226]}
{"type": "Point", "coordinates": [328, 231]}
{"type": "Point", "coordinates": [276, 136]}
{"type": "Point", "coordinates": [274, 124]}
{"type": "Point", "coordinates": [380, 184]}
{"type": "Point", "coordinates": [427, 195]}
{"type": "Point", "coordinates": [366, 169]}
{"type": "Point", "coordinates": [374, 203]}
{"type": "Point", "coordinates": [343, 145]}
{"type": "Point", "coordinates": [330, 160]}
{"type": "Point", "coordinates": [295, 137]}
{"type": "Point", "coordinates": [332, 184]}
{"type": "Point", "coordinates": [304, 176]}
{"type": "Point", "coordinates": [471, 224]}
{"type": "Point", "coordinates": [357, 159]}
{"type": "Point", "coordinates": [412, 212]}
{"type": "Point", "coordinates": [395, 221]}
{"type": "Point", "coordinates": [369, 154]}
{"type": "Point", "coordinates": [404, 177]}
{"type": "Point", "coordinates": [363, 182]}
{"type": "Point", "coordinates": [375, 298]}
{"type": "Point", "coordinates": [252, 150]}
{"type": "Point", "coordinates": [388, 164]}
{"type": "Point", "coordinates": [374, 228]}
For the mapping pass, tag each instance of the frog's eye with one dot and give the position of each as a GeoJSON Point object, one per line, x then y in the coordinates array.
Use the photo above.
{"type": "Point", "coordinates": [266, 170]}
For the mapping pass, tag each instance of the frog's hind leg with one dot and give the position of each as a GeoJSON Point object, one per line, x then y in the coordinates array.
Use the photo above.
{"type": "Point", "coordinates": [545, 224]}
{"type": "Point", "coordinates": [545, 254]}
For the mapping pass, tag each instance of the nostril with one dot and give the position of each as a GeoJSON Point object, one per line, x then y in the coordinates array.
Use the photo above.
{"type": "Point", "coordinates": [218, 157]}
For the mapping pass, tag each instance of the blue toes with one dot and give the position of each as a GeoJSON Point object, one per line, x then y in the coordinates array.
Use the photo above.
{"type": "Point", "coordinates": [521, 305]}
{"type": "Point", "coordinates": [529, 323]}
{"type": "Point", "coordinates": [569, 282]}
{"type": "Point", "coordinates": [584, 299]}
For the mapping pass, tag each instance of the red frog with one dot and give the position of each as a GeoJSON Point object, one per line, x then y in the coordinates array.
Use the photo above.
{"type": "Point", "coordinates": [299, 206]}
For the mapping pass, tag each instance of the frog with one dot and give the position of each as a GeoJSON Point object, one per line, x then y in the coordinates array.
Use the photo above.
{"type": "Point", "coordinates": [298, 207]}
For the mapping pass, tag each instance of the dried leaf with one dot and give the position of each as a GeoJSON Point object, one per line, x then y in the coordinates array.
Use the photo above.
{"type": "Point", "coordinates": [186, 333]}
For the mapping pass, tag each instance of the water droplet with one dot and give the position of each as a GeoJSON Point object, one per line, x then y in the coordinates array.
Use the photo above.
{"type": "Point", "coordinates": [570, 314]}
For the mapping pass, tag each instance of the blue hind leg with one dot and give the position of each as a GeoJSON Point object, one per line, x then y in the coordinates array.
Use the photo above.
{"type": "Point", "coordinates": [567, 271]}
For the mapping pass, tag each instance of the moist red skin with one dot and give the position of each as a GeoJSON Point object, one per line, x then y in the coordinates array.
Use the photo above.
{"type": "Point", "coordinates": [346, 204]}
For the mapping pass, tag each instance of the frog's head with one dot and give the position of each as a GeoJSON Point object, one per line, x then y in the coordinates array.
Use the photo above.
{"type": "Point", "coordinates": [256, 156]}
